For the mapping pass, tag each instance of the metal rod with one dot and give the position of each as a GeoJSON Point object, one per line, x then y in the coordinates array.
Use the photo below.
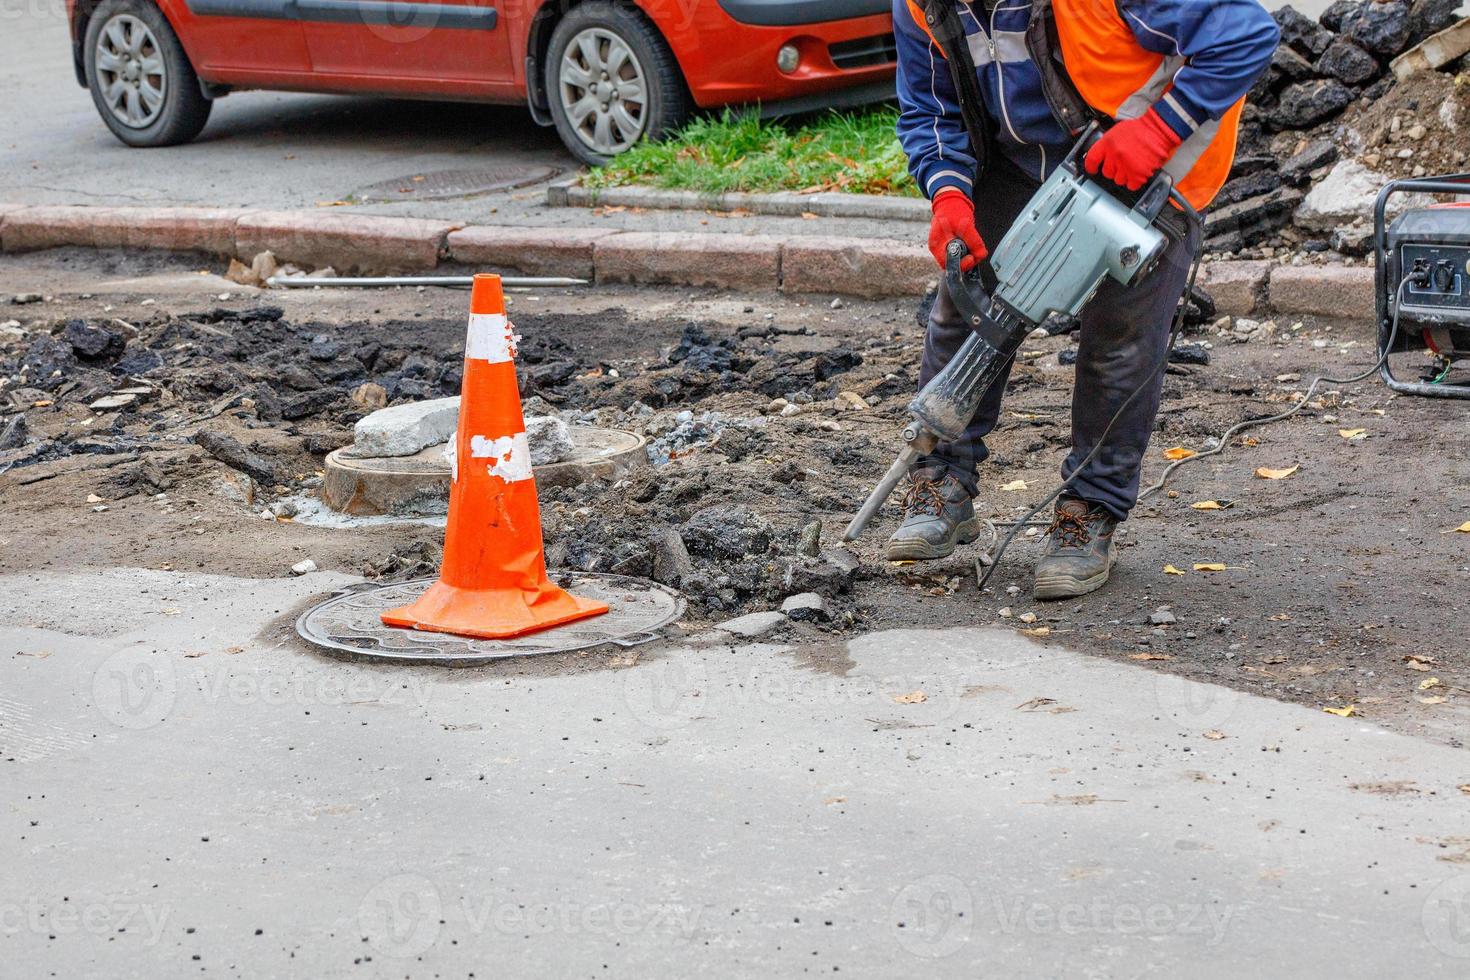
{"type": "Point", "coordinates": [880, 493]}
{"type": "Point", "coordinates": [385, 282]}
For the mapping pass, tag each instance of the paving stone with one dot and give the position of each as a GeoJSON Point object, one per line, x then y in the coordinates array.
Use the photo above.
{"type": "Point", "coordinates": [349, 243]}
{"type": "Point", "coordinates": [530, 251]}
{"type": "Point", "coordinates": [1344, 292]}
{"type": "Point", "coordinates": [871, 267]}
{"type": "Point", "coordinates": [1238, 288]}
{"type": "Point", "coordinates": [720, 261]}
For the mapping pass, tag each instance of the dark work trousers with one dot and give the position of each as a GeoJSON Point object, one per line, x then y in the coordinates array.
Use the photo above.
{"type": "Point", "coordinates": [1125, 333]}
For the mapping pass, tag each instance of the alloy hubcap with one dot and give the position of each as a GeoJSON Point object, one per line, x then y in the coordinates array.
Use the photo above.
{"type": "Point", "coordinates": [130, 71]}
{"type": "Point", "coordinates": [603, 91]}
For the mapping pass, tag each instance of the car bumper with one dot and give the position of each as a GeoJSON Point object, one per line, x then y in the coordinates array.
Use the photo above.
{"type": "Point", "coordinates": [725, 61]}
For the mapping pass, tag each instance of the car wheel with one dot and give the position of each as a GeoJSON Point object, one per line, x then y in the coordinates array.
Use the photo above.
{"type": "Point", "coordinates": [611, 81]}
{"type": "Point", "coordinates": [141, 80]}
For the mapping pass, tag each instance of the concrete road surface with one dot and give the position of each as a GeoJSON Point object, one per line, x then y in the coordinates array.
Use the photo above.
{"type": "Point", "coordinates": [188, 791]}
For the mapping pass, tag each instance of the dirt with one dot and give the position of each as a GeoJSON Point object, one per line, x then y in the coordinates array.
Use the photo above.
{"type": "Point", "coordinates": [1334, 576]}
{"type": "Point", "coordinates": [1426, 114]}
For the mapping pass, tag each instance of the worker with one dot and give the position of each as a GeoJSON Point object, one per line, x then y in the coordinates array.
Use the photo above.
{"type": "Point", "coordinates": [1168, 79]}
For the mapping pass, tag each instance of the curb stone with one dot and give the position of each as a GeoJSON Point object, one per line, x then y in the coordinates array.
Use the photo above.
{"type": "Point", "coordinates": [825, 204]}
{"type": "Point", "coordinates": [867, 267]}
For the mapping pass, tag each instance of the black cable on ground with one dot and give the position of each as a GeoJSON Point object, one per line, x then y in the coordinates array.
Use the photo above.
{"type": "Point", "coordinates": [1239, 427]}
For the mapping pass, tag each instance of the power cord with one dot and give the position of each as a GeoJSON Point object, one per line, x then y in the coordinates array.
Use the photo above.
{"type": "Point", "coordinates": [1239, 427]}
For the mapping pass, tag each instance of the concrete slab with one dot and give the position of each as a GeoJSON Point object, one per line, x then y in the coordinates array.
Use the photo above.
{"type": "Point", "coordinates": [197, 793]}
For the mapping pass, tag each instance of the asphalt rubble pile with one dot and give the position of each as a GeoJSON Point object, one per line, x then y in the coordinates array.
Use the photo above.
{"type": "Point", "coordinates": [1330, 123]}
{"type": "Point", "coordinates": [261, 395]}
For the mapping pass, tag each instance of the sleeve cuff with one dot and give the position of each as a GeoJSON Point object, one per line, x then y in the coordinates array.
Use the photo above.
{"type": "Point", "coordinates": [1180, 113]}
{"type": "Point", "coordinates": [947, 179]}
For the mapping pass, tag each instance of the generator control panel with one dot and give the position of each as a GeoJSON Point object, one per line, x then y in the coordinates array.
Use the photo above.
{"type": "Point", "coordinates": [1440, 277]}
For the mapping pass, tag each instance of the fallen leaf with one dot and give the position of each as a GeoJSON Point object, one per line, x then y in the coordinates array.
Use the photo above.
{"type": "Point", "coordinates": [1281, 618]}
{"type": "Point", "coordinates": [1462, 529]}
{"type": "Point", "coordinates": [1266, 473]}
{"type": "Point", "coordinates": [1416, 661]}
{"type": "Point", "coordinates": [1207, 505]}
{"type": "Point", "coordinates": [1035, 703]}
{"type": "Point", "coordinates": [1346, 712]}
{"type": "Point", "coordinates": [38, 654]}
{"type": "Point", "coordinates": [1214, 734]}
{"type": "Point", "coordinates": [835, 799]}
{"type": "Point", "coordinates": [1038, 631]}
{"type": "Point", "coordinates": [1014, 485]}
{"type": "Point", "coordinates": [1209, 566]}
{"type": "Point", "coordinates": [1464, 788]}
{"type": "Point", "coordinates": [1149, 655]}
{"type": "Point", "coordinates": [1353, 433]}
{"type": "Point", "coordinates": [1178, 452]}
{"type": "Point", "coordinates": [1171, 570]}
{"type": "Point", "coordinates": [913, 697]}
{"type": "Point", "coordinates": [1432, 699]}
{"type": "Point", "coordinates": [43, 403]}
{"type": "Point", "coordinates": [195, 653]}
{"type": "Point", "coordinates": [1430, 682]}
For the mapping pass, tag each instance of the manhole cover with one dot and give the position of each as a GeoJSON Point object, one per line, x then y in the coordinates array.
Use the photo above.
{"type": "Point", "coordinates": [452, 183]}
{"type": "Point", "coordinates": [347, 624]}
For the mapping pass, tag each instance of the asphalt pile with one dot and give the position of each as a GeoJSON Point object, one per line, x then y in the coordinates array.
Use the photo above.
{"type": "Point", "coordinates": [1328, 124]}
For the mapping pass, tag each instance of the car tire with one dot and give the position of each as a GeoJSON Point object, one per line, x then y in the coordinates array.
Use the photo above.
{"type": "Point", "coordinates": [141, 80]}
{"type": "Point", "coordinates": [642, 97]}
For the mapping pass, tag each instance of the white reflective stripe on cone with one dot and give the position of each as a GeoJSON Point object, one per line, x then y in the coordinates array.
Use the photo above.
{"type": "Point", "coordinates": [451, 456]}
{"type": "Point", "coordinates": [511, 455]}
{"type": "Point", "coordinates": [491, 338]}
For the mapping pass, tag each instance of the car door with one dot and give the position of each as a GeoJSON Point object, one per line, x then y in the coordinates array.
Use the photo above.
{"type": "Point", "coordinates": [408, 39]}
{"type": "Point", "coordinates": [240, 36]}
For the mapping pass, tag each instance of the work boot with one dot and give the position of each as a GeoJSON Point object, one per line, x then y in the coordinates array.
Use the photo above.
{"type": "Point", "coordinates": [937, 515]}
{"type": "Point", "coordinates": [1078, 553]}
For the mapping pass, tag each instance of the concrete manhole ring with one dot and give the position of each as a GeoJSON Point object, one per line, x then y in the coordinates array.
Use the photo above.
{"type": "Point", "coordinates": [453, 183]}
{"type": "Point", "coordinates": [419, 484]}
{"type": "Point", "coordinates": [347, 625]}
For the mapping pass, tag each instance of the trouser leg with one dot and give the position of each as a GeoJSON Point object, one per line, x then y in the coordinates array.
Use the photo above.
{"type": "Point", "coordinates": [1002, 195]}
{"type": "Point", "coordinates": [1124, 336]}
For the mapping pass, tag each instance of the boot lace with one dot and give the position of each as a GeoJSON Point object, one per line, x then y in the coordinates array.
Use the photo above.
{"type": "Point", "coordinates": [1070, 530]}
{"type": "Point", "coordinates": [923, 498]}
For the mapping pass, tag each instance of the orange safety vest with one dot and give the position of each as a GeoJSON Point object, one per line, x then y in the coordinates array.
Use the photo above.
{"type": "Point", "coordinates": [1121, 79]}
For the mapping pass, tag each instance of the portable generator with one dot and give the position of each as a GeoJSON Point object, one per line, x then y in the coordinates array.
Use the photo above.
{"type": "Point", "coordinates": [1422, 277]}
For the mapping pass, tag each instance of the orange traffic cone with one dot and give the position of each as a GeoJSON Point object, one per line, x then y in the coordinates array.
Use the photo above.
{"type": "Point", "coordinates": [493, 580]}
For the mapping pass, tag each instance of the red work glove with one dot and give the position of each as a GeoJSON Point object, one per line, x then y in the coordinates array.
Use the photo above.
{"type": "Point", "coordinates": [1132, 151]}
{"type": "Point", "coordinates": [954, 217]}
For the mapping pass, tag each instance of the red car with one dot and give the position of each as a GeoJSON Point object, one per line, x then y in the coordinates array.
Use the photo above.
{"type": "Point", "coordinates": [604, 73]}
